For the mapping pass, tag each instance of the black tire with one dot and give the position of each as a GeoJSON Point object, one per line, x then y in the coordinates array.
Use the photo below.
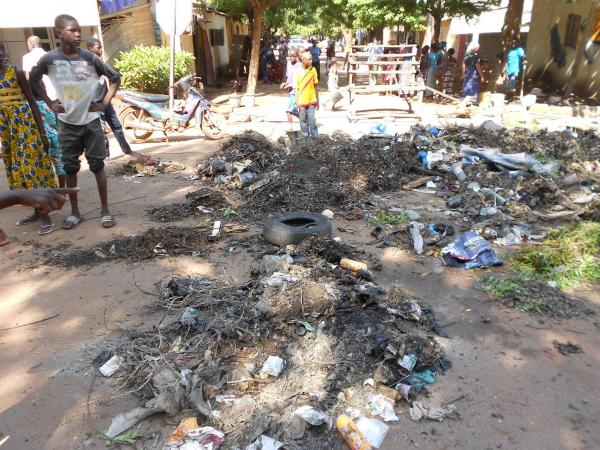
{"type": "Point", "coordinates": [292, 228]}
{"type": "Point", "coordinates": [131, 133]}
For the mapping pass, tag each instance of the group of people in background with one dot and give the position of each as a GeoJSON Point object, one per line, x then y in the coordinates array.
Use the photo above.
{"type": "Point", "coordinates": [437, 66]}
{"type": "Point", "coordinates": [50, 115]}
{"type": "Point", "coordinates": [439, 69]}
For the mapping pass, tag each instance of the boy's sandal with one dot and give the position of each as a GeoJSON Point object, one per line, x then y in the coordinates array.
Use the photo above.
{"type": "Point", "coordinates": [46, 229]}
{"type": "Point", "coordinates": [71, 222]}
{"type": "Point", "coordinates": [108, 221]}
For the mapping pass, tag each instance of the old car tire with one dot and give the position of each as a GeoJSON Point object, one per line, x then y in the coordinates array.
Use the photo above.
{"type": "Point", "coordinates": [294, 227]}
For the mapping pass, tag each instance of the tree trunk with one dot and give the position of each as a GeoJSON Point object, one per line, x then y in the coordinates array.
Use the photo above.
{"type": "Point", "coordinates": [257, 25]}
{"type": "Point", "coordinates": [510, 30]}
{"type": "Point", "coordinates": [437, 25]}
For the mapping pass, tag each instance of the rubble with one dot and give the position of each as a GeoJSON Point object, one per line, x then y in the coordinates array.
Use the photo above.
{"type": "Point", "coordinates": [144, 166]}
{"type": "Point", "coordinates": [216, 369]}
{"type": "Point", "coordinates": [200, 202]}
{"type": "Point", "coordinates": [338, 172]}
{"type": "Point", "coordinates": [170, 241]}
{"type": "Point", "coordinates": [286, 351]}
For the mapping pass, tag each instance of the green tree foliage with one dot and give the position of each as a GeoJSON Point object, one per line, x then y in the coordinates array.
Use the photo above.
{"type": "Point", "coordinates": [453, 8]}
{"type": "Point", "coordinates": [239, 9]}
{"type": "Point", "coordinates": [146, 69]}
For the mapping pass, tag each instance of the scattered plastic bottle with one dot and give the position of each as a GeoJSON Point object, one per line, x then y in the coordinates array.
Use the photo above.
{"type": "Point", "coordinates": [458, 172]}
{"type": "Point", "coordinates": [492, 196]}
{"type": "Point", "coordinates": [354, 266]}
{"type": "Point", "coordinates": [351, 434]}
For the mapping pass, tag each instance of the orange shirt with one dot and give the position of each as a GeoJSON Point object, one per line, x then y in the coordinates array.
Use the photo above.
{"type": "Point", "coordinates": [306, 92]}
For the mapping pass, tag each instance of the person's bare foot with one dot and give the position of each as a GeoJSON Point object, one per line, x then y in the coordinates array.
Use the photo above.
{"type": "Point", "coordinates": [3, 238]}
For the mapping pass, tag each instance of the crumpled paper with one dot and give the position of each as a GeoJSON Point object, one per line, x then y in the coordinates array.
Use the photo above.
{"type": "Point", "coordinates": [419, 410]}
{"type": "Point", "coordinates": [382, 406]}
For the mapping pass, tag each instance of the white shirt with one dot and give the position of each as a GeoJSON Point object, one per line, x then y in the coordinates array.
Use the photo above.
{"type": "Point", "coordinates": [30, 60]}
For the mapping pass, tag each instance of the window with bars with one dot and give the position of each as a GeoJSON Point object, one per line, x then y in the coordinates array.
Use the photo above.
{"type": "Point", "coordinates": [217, 37]}
{"type": "Point", "coordinates": [572, 33]}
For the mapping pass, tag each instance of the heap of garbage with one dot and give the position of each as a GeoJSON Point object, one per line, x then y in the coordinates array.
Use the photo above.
{"type": "Point", "coordinates": [333, 172]}
{"type": "Point", "coordinates": [283, 355]}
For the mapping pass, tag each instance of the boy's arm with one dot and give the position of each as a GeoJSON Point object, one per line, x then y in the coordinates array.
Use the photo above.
{"type": "Point", "coordinates": [316, 87]}
{"type": "Point", "coordinates": [44, 200]}
{"type": "Point", "coordinates": [114, 80]}
{"type": "Point", "coordinates": [38, 87]}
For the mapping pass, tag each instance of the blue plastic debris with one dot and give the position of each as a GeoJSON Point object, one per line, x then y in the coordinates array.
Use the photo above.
{"type": "Point", "coordinates": [470, 251]}
{"type": "Point", "coordinates": [434, 131]}
{"type": "Point", "coordinates": [379, 128]}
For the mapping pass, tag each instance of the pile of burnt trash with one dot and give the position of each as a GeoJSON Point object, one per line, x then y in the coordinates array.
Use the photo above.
{"type": "Point", "coordinates": [331, 172]}
{"type": "Point", "coordinates": [284, 354]}
{"type": "Point", "coordinates": [503, 176]}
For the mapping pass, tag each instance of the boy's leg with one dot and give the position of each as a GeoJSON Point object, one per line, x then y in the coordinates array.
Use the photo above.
{"type": "Point", "coordinates": [312, 122]}
{"type": "Point", "coordinates": [94, 152]}
{"type": "Point", "coordinates": [302, 111]}
{"type": "Point", "coordinates": [115, 125]}
{"type": "Point", "coordinates": [292, 109]}
{"type": "Point", "coordinates": [3, 238]}
{"type": "Point", "coordinates": [70, 138]}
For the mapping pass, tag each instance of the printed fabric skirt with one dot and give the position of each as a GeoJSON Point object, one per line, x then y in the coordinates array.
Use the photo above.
{"type": "Point", "coordinates": [50, 125]}
{"type": "Point", "coordinates": [471, 86]}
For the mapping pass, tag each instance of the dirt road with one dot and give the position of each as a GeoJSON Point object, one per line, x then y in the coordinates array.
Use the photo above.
{"type": "Point", "coordinates": [512, 388]}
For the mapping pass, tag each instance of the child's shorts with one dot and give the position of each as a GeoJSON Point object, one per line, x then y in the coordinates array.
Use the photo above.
{"type": "Point", "coordinates": [292, 108]}
{"type": "Point", "coordinates": [85, 139]}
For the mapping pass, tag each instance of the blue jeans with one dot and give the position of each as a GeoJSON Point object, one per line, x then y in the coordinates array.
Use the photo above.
{"type": "Point", "coordinates": [308, 121]}
{"type": "Point", "coordinates": [511, 82]}
{"type": "Point", "coordinates": [110, 116]}
{"type": "Point", "coordinates": [265, 71]}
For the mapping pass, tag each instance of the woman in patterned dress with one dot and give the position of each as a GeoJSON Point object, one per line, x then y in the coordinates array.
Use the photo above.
{"type": "Point", "coordinates": [449, 73]}
{"type": "Point", "coordinates": [23, 138]}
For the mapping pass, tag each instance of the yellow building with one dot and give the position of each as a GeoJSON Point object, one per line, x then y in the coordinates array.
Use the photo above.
{"type": "Point", "coordinates": [564, 45]}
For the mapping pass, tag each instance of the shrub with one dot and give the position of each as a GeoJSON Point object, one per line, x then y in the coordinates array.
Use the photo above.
{"type": "Point", "coordinates": [568, 255]}
{"type": "Point", "coordinates": [146, 69]}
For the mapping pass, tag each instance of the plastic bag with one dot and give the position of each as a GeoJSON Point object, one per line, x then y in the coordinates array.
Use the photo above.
{"type": "Point", "coordinates": [470, 251]}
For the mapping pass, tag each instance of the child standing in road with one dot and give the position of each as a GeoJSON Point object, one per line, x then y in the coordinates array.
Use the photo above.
{"type": "Point", "coordinates": [307, 97]}
{"type": "Point", "coordinates": [292, 69]}
{"type": "Point", "coordinates": [75, 74]}
{"type": "Point", "coordinates": [110, 115]}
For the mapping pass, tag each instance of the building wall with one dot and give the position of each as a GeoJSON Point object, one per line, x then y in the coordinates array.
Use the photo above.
{"type": "Point", "coordinates": [220, 53]}
{"type": "Point", "coordinates": [547, 13]}
{"type": "Point", "coordinates": [16, 40]}
{"type": "Point", "coordinates": [133, 27]}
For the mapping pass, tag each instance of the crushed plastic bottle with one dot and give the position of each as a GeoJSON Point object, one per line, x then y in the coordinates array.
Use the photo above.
{"type": "Point", "coordinates": [351, 434]}
{"type": "Point", "coordinates": [415, 232]}
{"type": "Point", "coordinates": [458, 172]}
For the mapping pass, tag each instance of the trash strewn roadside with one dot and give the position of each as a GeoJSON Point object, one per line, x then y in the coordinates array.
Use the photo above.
{"type": "Point", "coordinates": [247, 371]}
{"type": "Point", "coordinates": [311, 339]}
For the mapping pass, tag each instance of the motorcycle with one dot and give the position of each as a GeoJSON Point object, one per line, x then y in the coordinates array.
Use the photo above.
{"type": "Point", "coordinates": [144, 114]}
